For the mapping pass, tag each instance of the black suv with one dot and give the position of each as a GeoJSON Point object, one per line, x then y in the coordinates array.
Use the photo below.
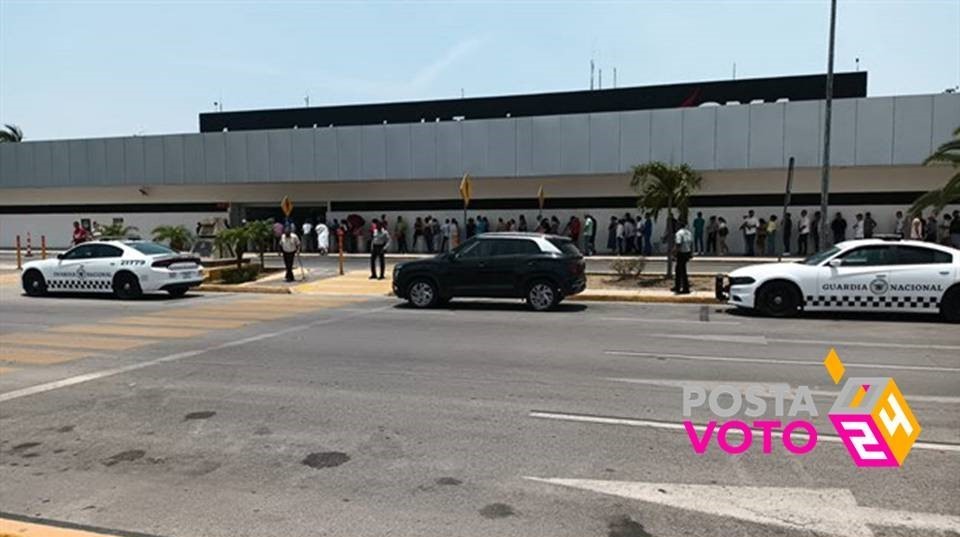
{"type": "Point", "coordinates": [543, 269]}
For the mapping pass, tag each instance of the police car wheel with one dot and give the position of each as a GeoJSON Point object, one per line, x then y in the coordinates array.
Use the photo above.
{"type": "Point", "coordinates": [34, 284]}
{"type": "Point", "coordinates": [950, 305]}
{"type": "Point", "coordinates": [126, 286]}
{"type": "Point", "coordinates": [778, 299]}
{"type": "Point", "coordinates": [422, 293]}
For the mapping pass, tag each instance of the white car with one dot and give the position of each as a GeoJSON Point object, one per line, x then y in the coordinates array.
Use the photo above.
{"type": "Point", "coordinates": [125, 268]}
{"type": "Point", "coordinates": [859, 275]}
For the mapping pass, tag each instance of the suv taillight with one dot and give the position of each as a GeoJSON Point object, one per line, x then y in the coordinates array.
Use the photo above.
{"type": "Point", "coordinates": [163, 263]}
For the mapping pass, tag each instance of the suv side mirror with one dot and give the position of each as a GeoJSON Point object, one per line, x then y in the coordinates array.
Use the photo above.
{"type": "Point", "coordinates": [836, 263]}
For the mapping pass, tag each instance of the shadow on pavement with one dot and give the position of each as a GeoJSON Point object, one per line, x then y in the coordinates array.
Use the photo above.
{"type": "Point", "coordinates": [495, 305]}
{"type": "Point", "coordinates": [845, 316]}
{"type": "Point", "coordinates": [153, 297]}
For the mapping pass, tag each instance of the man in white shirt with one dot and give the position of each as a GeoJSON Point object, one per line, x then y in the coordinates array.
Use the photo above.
{"type": "Point", "coordinates": [804, 233]}
{"type": "Point", "coordinates": [289, 246]}
{"type": "Point", "coordinates": [307, 229]}
{"type": "Point", "coordinates": [898, 224]}
{"type": "Point", "coordinates": [858, 227]}
{"type": "Point", "coordinates": [916, 228]}
{"type": "Point", "coordinates": [683, 239]}
{"type": "Point", "coordinates": [323, 238]}
{"type": "Point", "coordinates": [749, 227]}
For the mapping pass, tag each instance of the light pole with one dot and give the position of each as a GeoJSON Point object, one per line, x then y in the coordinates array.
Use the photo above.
{"type": "Point", "coordinates": [828, 109]}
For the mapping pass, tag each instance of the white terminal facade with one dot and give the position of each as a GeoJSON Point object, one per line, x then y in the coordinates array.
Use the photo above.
{"type": "Point", "coordinates": [413, 167]}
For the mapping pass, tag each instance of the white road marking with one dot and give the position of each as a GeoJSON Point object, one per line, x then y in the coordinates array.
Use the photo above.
{"type": "Point", "coordinates": [830, 511]}
{"type": "Point", "coordinates": [660, 320]}
{"type": "Point", "coordinates": [772, 361]}
{"type": "Point", "coordinates": [762, 340]}
{"type": "Point", "coordinates": [742, 385]}
{"type": "Point", "coordinates": [79, 379]}
{"type": "Point", "coordinates": [677, 426]}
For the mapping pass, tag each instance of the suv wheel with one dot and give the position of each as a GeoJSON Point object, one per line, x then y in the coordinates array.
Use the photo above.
{"type": "Point", "coordinates": [422, 293]}
{"type": "Point", "coordinates": [542, 295]}
{"type": "Point", "coordinates": [126, 286]}
{"type": "Point", "coordinates": [34, 284]}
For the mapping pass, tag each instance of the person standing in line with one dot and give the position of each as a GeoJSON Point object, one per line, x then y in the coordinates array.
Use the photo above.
{"type": "Point", "coordinates": [307, 235]}
{"type": "Point", "coordinates": [698, 228]}
{"type": "Point", "coordinates": [417, 231]}
{"type": "Point", "coordinates": [575, 228]}
{"type": "Point", "coordinates": [554, 225]}
{"type": "Point", "coordinates": [612, 235]}
{"type": "Point", "coordinates": [787, 226]}
{"type": "Point", "coordinates": [943, 231]}
{"type": "Point", "coordinates": [277, 233]}
{"type": "Point", "coordinates": [683, 246]}
{"type": "Point", "coordinates": [930, 229]}
{"type": "Point", "coordinates": [400, 231]}
{"type": "Point", "coordinates": [869, 225]}
{"type": "Point", "coordinates": [839, 228]}
{"type": "Point", "coordinates": [722, 231]}
{"type": "Point", "coordinates": [899, 225]}
{"type": "Point", "coordinates": [445, 236]}
{"type": "Point", "coordinates": [428, 233]}
{"type": "Point", "coordinates": [454, 233]}
{"type": "Point", "coordinates": [749, 228]}
{"type": "Point", "coordinates": [712, 235]}
{"type": "Point", "coordinates": [471, 227]}
{"type": "Point", "coordinates": [289, 247]}
{"type": "Point", "coordinates": [379, 243]}
{"type": "Point", "coordinates": [629, 234]}
{"type": "Point", "coordinates": [761, 239]}
{"type": "Point", "coordinates": [772, 227]}
{"type": "Point", "coordinates": [437, 234]}
{"type": "Point", "coordinates": [522, 225]}
{"type": "Point", "coordinates": [79, 234]}
{"type": "Point", "coordinates": [802, 239]}
{"type": "Point", "coordinates": [858, 227]}
{"type": "Point", "coordinates": [589, 235]}
{"type": "Point", "coordinates": [620, 234]}
{"type": "Point", "coordinates": [815, 231]}
{"type": "Point", "coordinates": [916, 228]}
{"type": "Point", "coordinates": [323, 237]}
{"type": "Point", "coordinates": [648, 235]}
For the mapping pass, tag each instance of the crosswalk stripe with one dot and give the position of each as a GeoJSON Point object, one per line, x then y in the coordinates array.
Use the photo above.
{"type": "Point", "coordinates": [49, 339]}
{"type": "Point", "coordinates": [26, 355]}
{"type": "Point", "coordinates": [126, 330]}
{"type": "Point", "coordinates": [214, 324]}
{"type": "Point", "coordinates": [35, 529]}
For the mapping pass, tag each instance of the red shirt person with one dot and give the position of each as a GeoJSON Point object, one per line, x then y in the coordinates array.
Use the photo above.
{"type": "Point", "coordinates": [79, 234]}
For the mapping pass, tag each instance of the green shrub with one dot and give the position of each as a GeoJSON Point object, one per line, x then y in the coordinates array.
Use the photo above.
{"type": "Point", "coordinates": [629, 267]}
{"type": "Point", "coordinates": [239, 275]}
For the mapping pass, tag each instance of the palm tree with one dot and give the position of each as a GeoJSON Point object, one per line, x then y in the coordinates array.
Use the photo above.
{"type": "Point", "coordinates": [665, 186]}
{"type": "Point", "coordinates": [11, 133]}
{"type": "Point", "coordinates": [261, 236]}
{"type": "Point", "coordinates": [178, 237]}
{"type": "Point", "coordinates": [234, 240]}
{"type": "Point", "coordinates": [947, 153]}
{"type": "Point", "coordinates": [117, 230]}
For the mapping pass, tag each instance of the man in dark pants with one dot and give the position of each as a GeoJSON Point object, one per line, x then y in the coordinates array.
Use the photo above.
{"type": "Point", "coordinates": [379, 242]}
{"type": "Point", "coordinates": [289, 246]}
{"type": "Point", "coordinates": [683, 240]}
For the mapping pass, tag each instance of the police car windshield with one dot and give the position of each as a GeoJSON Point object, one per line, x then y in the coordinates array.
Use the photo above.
{"type": "Point", "coordinates": [819, 257]}
{"type": "Point", "coordinates": [150, 248]}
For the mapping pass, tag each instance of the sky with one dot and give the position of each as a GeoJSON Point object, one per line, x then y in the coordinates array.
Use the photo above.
{"type": "Point", "coordinates": [77, 69]}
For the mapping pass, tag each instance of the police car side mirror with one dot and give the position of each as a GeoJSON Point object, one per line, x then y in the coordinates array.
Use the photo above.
{"type": "Point", "coordinates": [836, 263]}
{"type": "Point", "coordinates": [60, 256]}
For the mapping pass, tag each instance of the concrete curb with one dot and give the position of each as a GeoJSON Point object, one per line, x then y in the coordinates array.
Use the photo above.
{"type": "Point", "coordinates": [240, 288]}
{"type": "Point", "coordinates": [650, 299]}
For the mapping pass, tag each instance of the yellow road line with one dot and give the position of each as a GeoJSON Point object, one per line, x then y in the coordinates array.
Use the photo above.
{"type": "Point", "coordinates": [26, 355]}
{"type": "Point", "coordinates": [215, 324]}
{"type": "Point", "coordinates": [15, 528]}
{"type": "Point", "coordinates": [123, 330]}
{"type": "Point", "coordinates": [48, 339]}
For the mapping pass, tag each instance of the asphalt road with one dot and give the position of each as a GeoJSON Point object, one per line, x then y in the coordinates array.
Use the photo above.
{"type": "Point", "coordinates": [304, 415]}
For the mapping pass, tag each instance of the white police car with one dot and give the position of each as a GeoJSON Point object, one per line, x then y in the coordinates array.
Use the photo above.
{"type": "Point", "coordinates": [125, 268]}
{"type": "Point", "coordinates": [858, 275]}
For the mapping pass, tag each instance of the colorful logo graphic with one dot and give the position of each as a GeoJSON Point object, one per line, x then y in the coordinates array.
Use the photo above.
{"type": "Point", "coordinates": [872, 417]}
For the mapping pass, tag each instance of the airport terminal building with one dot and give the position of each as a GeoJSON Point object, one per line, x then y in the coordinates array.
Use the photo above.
{"type": "Point", "coordinates": [408, 158]}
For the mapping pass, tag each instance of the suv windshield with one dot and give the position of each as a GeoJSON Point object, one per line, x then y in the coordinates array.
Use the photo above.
{"type": "Point", "coordinates": [150, 248]}
{"type": "Point", "coordinates": [818, 257]}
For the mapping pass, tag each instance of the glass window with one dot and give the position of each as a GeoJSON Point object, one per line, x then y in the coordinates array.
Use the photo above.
{"type": "Point", "coordinates": [470, 249]}
{"type": "Point", "coordinates": [503, 247]}
{"type": "Point", "coordinates": [868, 256]}
{"type": "Point", "coordinates": [84, 251]}
{"type": "Point", "coordinates": [106, 250]}
{"type": "Point", "coordinates": [820, 257]}
{"type": "Point", "coordinates": [150, 248]}
{"type": "Point", "coordinates": [917, 255]}
{"type": "Point", "coordinates": [566, 246]}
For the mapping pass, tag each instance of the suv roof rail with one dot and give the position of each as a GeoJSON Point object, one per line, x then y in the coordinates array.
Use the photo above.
{"type": "Point", "coordinates": [887, 236]}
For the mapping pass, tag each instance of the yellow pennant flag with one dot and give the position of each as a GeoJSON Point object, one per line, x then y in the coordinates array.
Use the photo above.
{"type": "Point", "coordinates": [540, 197]}
{"type": "Point", "coordinates": [466, 189]}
